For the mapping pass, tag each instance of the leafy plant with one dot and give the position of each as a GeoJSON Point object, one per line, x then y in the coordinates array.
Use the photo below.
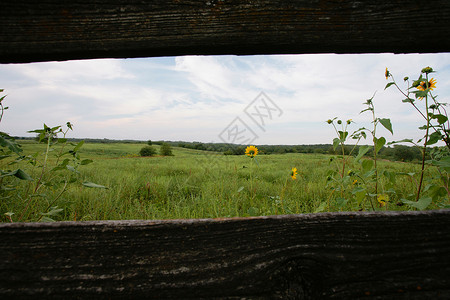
{"type": "Point", "coordinates": [34, 197]}
{"type": "Point", "coordinates": [166, 149]}
{"type": "Point", "coordinates": [147, 151]}
{"type": "Point", "coordinates": [437, 129]}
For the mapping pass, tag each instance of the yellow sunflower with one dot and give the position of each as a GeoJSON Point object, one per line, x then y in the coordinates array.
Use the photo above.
{"type": "Point", "coordinates": [431, 85]}
{"type": "Point", "coordinates": [294, 173]}
{"type": "Point", "coordinates": [382, 199]}
{"type": "Point", "coordinates": [386, 73]}
{"type": "Point", "coordinates": [251, 151]}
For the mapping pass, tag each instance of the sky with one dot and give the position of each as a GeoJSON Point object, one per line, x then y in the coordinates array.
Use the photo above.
{"type": "Point", "coordinates": [275, 99]}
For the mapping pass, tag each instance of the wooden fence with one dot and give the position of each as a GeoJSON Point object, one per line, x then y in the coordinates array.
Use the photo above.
{"type": "Point", "coordinates": [334, 255]}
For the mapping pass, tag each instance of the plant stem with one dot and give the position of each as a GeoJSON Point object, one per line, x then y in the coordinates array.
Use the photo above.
{"type": "Point", "coordinates": [424, 151]}
{"type": "Point", "coordinates": [45, 163]}
{"type": "Point", "coordinates": [374, 149]}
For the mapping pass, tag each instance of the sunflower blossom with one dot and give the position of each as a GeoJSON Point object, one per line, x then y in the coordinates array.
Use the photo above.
{"type": "Point", "coordinates": [382, 199]}
{"type": "Point", "coordinates": [431, 85]}
{"type": "Point", "coordinates": [251, 151]}
{"type": "Point", "coordinates": [386, 73]}
{"type": "Point", "coordinates": [294, 173]}
{"type": "Point", "coordinates": [423, 86]}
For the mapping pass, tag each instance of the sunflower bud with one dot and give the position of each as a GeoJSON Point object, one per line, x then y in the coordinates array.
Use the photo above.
{"type": "Point", "coordinates": [406, 78]}
{"type": "Point", "coordinates": [427, 70]}
{"type": "Point", "coordinates": [416, 83]}
{"type": "Point", "coordinates": [349, 121]}
{"type": "Point", "coordinates": [339, 122]}
{"type": "Point", "coordinates": [329, 121]}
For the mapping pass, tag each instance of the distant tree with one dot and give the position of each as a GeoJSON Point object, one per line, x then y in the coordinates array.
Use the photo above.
{"type": "Point", "coordinates": [149, 142]}
{"type": "Point", "coordinates": [228, 152]}
{"type": "Point", "coordinates": [166, 149]}
{"type": "Point", "coordinates": [403, 153]}
{"type": "Point", "coordinates": [147, 151]}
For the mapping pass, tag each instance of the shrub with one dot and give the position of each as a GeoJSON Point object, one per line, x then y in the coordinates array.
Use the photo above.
{"type": "Point", "coordinates": [166, 149]}
{"type": "Point", "coordinates": [147, 151]}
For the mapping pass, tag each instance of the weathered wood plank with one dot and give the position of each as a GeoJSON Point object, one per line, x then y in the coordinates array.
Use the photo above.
{"type": "Point", "coordinates": [75, 29]}
{"type": "Point", "coordinates": [338, 256]}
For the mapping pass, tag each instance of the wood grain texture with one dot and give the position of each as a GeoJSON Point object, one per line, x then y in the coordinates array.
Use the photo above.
{"type": "Point", "coordinates": [318, 256]}
{"type": "Point", "coordinates": [75, 29]}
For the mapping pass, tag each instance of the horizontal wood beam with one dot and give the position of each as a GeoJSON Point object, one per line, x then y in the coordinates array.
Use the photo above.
{"type": "Point", "coordinates": [76, 29]}
{"type": "Point", "coordinates": [392, 255]}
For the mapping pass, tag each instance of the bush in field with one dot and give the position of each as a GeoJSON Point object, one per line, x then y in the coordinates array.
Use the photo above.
{"type": "Point", "coordinates": [147, 151]}
{"type": "Point", "coordinates": [166, 149]}
{"type": "Point", "coordinates": [149, 142]}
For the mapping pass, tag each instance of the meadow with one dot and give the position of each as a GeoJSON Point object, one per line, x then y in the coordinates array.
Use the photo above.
{"type": "Point", "coordinates": [190, 184]}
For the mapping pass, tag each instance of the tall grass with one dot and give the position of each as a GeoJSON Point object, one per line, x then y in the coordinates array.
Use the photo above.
{"type": "Point", "coordinates": [196, 184]}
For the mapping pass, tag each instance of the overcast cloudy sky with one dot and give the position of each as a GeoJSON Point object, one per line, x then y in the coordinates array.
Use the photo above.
{"type": "Point", "coordinates": [195, 98]}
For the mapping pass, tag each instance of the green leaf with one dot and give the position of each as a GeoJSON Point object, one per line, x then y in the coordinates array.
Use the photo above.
{"type": "Point", "coordinates": [341, 202]}
{"type": "Point", "coordinates": [86, 161]}
{"type": "Point", "coordinates": [93, 185]}
{"type": "Point", "coordinates": [434, 138]}
{"type": "Point", "coordinates": [62, 165]}
{"type": "Point", "coordinates": [321, 207]}
{"type": "Point", "coordinates": [367, 109]}
{"type": "Point", "coordinates": [401, 141]}
{"type": "Point", "coordinates": [6, 142]}
{"type": "Point", "coordinates": [389, 84]}
{"type": "Point", "coordinates": [54, 211]}
{"type": "Point", "coordinates": [19, 174]}
{"type": "Point", "coordinates": [362, 150]}
{"type": "Point", "coordinates": [78, 146]}
{"type": "Point", "coordinates": [360, 194]}
{"type": "Point", "coordinates": [444, 163]}
{"type": "Point", "coordinates": [387, 124]}
{"type": "Point", "coordinates": [36, 131]}
{"type": "Point", "coordinates": [53, 129]}
{"type": "Point", "coordinates": [379, 143]}
{"type": "Point", "coordinates": [408, 100]}
{"type": "Point", "coordinates": [367, 165]}
{"type": "Point", "coordinates": [389, 175]}
{"type": "Point", "coordinates": [336, 143]}
{"type": "Point", "coordinates": [343, 135]}
{"type": "Point", "coordinates": [420, 94]}
{"type": "Point", "coordinates": [22, 175]}
{"type": "Point", "coordinates": [421, 204]}
{"type": "Point", "coordinates": [440, 118]}
{"type": "Point", "coordinates": [62, 140]}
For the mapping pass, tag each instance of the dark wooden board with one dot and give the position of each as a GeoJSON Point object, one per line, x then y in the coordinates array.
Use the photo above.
{"type": "Point", "coordinates": [75, 29]}
{"type": "Point", "coordinates": [316, 256]}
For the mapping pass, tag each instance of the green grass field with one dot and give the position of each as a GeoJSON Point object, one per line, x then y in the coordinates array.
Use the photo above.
{"type": "Point", "coordinates": [190, 184]}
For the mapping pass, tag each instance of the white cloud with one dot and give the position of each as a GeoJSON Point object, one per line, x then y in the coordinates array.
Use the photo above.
{"type": "Point", "coordinates": [196, 97]}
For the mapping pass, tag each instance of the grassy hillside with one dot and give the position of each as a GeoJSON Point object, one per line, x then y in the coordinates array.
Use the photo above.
{"type": "Point", "coordinates": [193, 184]}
